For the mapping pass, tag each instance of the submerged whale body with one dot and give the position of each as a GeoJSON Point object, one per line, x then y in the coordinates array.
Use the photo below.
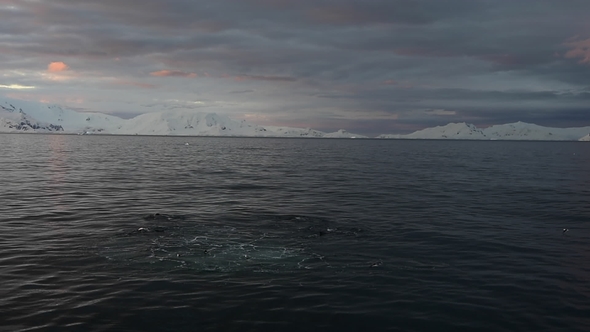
{"type": "Point", "coordinates": [277, 243]}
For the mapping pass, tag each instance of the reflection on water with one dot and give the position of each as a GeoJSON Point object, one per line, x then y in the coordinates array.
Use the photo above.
{"type": "Point", "coordinates": [58, 167]}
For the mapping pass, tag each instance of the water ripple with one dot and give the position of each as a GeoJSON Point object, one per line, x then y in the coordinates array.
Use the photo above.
{"type": "Point", "coordinates": [288, 234]}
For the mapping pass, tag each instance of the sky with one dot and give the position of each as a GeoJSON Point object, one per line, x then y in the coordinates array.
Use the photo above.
{"type": "Point", "coordinates": [370, 67]}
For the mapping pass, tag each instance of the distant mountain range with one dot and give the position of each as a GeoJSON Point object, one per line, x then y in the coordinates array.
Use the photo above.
{"type": "Point", "coordinates": [25, 116]}
{"type": "Point", "coordinates": [511, 131]}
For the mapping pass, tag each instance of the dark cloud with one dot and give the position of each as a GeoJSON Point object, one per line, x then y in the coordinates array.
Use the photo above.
{"type": "Point", "coordinates": [241, 91]}
{"type": "Point", "coordinates": [334, 63]}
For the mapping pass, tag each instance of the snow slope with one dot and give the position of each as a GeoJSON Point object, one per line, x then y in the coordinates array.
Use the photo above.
{"type": "Point", "coordinates": [510, 131]}
{"type": "Point", "coordinates": [343, 134]}
{"type": "Point", "coordinates": [528, 131]}
{"type": "Point", "coordinates": [14, 119]}
{"type": "Point", "coordinates": [69, 120]}
{"type": "Point", "coordinates": [24, 116]}
{"type": "Point", "coordinates": [294, 132]}
{"type": "Point", "coordinates": [43, 117]}
{"type": "Point", "coordinates": [179, 122]}
{"type": "Point", "coordinates": [451, 131]}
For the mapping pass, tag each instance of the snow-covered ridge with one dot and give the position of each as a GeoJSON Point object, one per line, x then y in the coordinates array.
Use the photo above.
{"type": "Point", "coordinates": [25, 116]}
{"type": "Point", "coordinates": [21, 116]}
{"type": "Point", "coordinates": [13, 119]}
{"type": "Point", "coordinates": [510, 131]}
{"type": "Point", "coordinates": [343, 133]}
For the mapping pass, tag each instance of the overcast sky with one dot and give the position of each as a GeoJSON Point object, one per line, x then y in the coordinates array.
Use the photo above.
{"type": "Point", "coordinates": [371, 66]}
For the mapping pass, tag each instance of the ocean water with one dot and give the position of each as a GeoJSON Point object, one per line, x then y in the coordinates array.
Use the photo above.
{"type": "Point", "coordinates": [108, 233]}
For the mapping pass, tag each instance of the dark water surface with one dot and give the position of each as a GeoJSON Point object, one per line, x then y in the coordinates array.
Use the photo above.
{"type": "Point", "coordinates": [292, 234]}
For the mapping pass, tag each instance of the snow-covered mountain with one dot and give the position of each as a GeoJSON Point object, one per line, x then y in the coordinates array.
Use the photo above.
{"type": "Point", "coordinates": [343, 133]}
{"type": "Point", "coordinates": [295, 132]}
{"type": "Point", "coordinates": [178, 122]}
{"type": "Point", "coordinates": [25, 116]}
{"type": "Point", "coordinates": [452, 130]}
{"type": "Point", "coordinates": [66, 119]}
{"type": "Point", "coordinates": [21, 116]}
{"type": "Point", "coordinates": [14, 119]}
{"type": "Point", "coordinates": [510, 131]}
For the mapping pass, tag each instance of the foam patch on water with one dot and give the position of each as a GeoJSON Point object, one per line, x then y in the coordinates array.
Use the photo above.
{"type": "Point", "coordinates": [173, 242]}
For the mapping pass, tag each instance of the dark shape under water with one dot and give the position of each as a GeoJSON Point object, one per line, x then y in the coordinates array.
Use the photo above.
{"type": "Point", "coordinates": [163, 217]}
{"type": "Point", "coordinates": [376, 264]}
{"type": "Point", "coordinates": [278, 243]}
{"type": "Point", "coordinates": [144, 230]}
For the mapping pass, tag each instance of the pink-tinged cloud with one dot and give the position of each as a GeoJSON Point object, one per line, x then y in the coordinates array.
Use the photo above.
{"type": "Point", "coordinates": [580, 49]}
{"type": "Point", "coordinates": [265, 78]}
{"type": "Point", "coordinates": [56, 67]}
{"type": "Point", "coordinates": [389, 82]}
{"type": "Point", "coordinates": [173, 73]}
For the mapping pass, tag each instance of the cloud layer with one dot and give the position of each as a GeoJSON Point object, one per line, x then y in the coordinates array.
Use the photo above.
{"type": "Point", "coordinates": [376, 66]}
